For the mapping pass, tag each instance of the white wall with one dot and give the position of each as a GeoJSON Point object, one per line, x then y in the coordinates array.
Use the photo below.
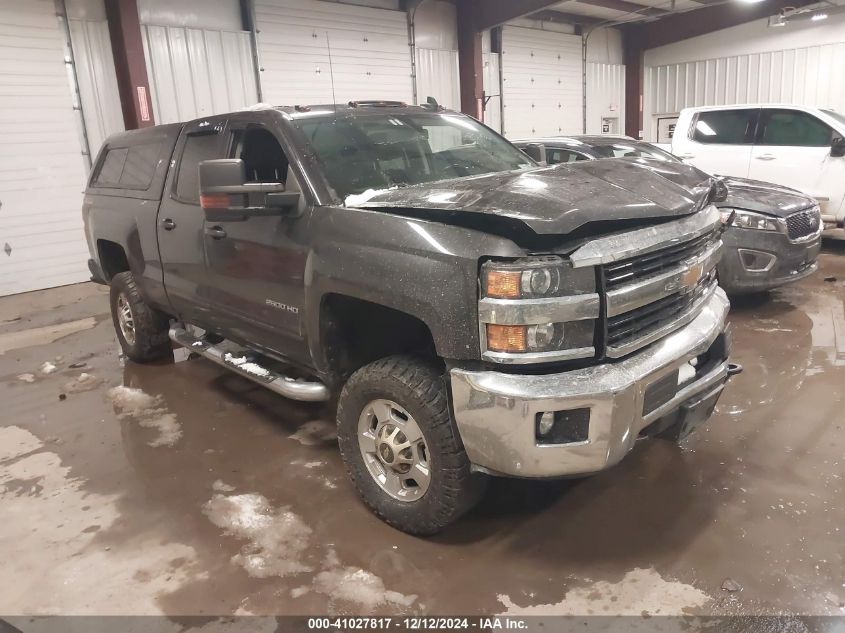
{"type": "Point", "coordinates": [436, 44]}
{"type": "Point", "coordinates": [800, 63]}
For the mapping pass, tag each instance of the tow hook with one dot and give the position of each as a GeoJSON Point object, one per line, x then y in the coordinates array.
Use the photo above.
{"type": "Point", "coordinates": [734, 369]}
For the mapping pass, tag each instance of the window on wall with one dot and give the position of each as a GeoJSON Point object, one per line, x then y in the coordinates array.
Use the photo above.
{"type": "Point", "coordinates": [794, 128]}
{"type": "Point", "coordinates": [725, 127]}
{"type": "Point", "coordinates": [555, 156]}
{"type": "Point", "coordinates": [198, 147]}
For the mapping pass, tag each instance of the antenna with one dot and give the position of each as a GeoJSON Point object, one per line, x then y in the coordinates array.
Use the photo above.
{"type": "Point", "coordinates": [331, 73]}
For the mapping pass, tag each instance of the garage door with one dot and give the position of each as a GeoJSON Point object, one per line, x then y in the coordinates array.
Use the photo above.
{"type": "Point", "coordinates": [369, 52]}
{"type": "Point", "coordinates": [41, 165]}
{"type": "Point", "coordinates": [541, 83]}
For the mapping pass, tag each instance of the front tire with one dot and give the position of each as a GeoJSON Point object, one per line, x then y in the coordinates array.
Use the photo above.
{"type": "Point", "coordinates": [141, 330]}
{"type": "Point", "coordinates": [401, 448]}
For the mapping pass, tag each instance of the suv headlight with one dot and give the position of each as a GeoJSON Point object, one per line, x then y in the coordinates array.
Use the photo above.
{"type": "Point", "coordinates": [537, 309]}
{"type": "Point", "coordinates": [751, 220]}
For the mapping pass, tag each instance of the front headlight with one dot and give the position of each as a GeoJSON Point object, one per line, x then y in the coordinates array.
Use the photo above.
{"type": "Point", "coordinates": [751, 220]}
{"type": "Point", "coordinates": [537, 309]}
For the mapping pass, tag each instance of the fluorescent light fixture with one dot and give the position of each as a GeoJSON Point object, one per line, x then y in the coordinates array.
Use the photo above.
{"type": "Point", "coordinates": [750, 1]}
{"type": "Point", "coordinates": [819, 16]}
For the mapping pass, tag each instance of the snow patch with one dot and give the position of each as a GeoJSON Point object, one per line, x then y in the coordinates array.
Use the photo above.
{"type": "Point", "coordinates": [148, 411]}
{"type": "Point", "coordinates": [360, 198]}
{"type": "Point", "coordinates": [353, 584]}
{"type": "Point", "coordinates": [83, 382]}
{"type": "Point", "coordinates": [298, 592]}
{"type": "Point", "coordinates": [312, 464]}
{"type": "Point", "coordinates": [27, 378]}
{"type": "Point", "coordinates": [277, 539]}
{"type": "Point", "coordinates": [219, 486]}
{"type": "Point", "coordinates": [48, 368]}
{"type": "Point", "coordinates": [315, 432]}
{"type": "Point", "coordinates": [639, 591]}
{"type": "Point", "coordinates": [242, 363]}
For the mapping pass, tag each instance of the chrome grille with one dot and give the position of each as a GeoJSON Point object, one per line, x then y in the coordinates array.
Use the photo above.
{"type": "Point", "coordinates": [631, 327]}
{"type": "Point", "coordinates": [629, 270]}
{"type": "Point", "coordinates": [803, 223]}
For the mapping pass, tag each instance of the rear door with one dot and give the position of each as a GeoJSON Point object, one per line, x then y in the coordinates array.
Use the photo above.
{"type": "Point", "coordinates": [720, 141]}
{"type": "Point", "coordinates": [793, 149]}
{"type": "Point", "coordinates": [180, 223]}
{"type": "Point", "coordinates": [256, 266]}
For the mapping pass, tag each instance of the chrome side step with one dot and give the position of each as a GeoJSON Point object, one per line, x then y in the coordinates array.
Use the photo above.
{"type": "Point", "coordinates": [237, 360]}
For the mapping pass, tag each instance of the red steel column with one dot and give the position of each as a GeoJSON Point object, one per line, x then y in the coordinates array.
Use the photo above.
{"type": "Point", "coordinates": [470, 63]}
{"type": "Point", "coordinates": [633, 82]}
{"type": "Point", "coordinates": [129, 63]}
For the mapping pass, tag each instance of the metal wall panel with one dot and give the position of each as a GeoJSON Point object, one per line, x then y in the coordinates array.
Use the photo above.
{"type": "Point", "coordinates": [605, 96]}
{"type": "Point", "coordinates": [95, 73]}
{"type": "Point", "coordinates": [370, 55]}
{"type": "Point", "coordinates": [41, 166]}
{"type": "Point", "coordinates": [198, 72]}
{"type": "Point", "coordinates": [801, 76]}
{"type": "Point", "coordinates": [542, 83]}
{"type": "Point", "coordinates": [493, 90]}
{"type": "Point", "coordinates": [437, 76]}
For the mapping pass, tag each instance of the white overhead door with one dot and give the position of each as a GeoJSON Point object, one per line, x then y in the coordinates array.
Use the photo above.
{"type": "Point", "coordinates": [198, 72]}
{"type": "Point", "coordinates": [370, 56]}
{"type": "Point", "coordinates": [41, 165]}
{"type": "Point", "coordinates": [541, 83]}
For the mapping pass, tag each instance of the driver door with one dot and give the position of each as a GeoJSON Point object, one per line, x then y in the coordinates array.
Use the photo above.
{"type": "Point", "coordinates": [256, 261]}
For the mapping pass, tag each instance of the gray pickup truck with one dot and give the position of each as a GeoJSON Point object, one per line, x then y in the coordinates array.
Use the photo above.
{"type": "Point", "coordinates": [470, 312]}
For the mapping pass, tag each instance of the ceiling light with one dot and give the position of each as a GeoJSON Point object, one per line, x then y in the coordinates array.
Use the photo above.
{"type": "Point", "coordinates": [819, 16]}
{"type": "Point", "coordinates": [751, 1]}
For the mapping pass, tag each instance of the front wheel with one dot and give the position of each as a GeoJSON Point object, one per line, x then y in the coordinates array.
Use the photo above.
{"type": "Point", "coordinates": [401, 447]}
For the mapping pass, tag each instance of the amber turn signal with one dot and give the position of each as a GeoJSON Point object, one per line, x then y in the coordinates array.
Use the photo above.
{"type": "Point", "coordinates": [506, 338]}
{"type": "Point", "coordinates": [503, 284]}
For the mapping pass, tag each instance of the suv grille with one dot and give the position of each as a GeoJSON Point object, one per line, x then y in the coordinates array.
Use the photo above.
{"type": "Point", "coordinates": [636, 268]}
{"type": "Point", "coordinates": [803, 223]}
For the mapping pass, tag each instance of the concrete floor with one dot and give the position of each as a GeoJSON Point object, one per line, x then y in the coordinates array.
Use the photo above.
{"type": "Point", "coordinates": [210, 495]}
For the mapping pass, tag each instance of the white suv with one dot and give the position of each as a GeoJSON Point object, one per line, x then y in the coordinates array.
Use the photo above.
{"type": "Point", "coordinates": [795, 146]}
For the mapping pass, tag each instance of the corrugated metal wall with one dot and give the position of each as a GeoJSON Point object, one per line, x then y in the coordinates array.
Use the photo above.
{"type": "Point", "coordinates": [605, 96]}
{"type": "Point", "coordinates": [542, 82]}
{"type": "Point", "coordinates": [370, 55]}
{"type": "Point", "coordinates": [41, 166]}
{"type": "Point", "coordinates": [804, 76]}
{"type": "Point", "coordinates": [198, 72]}
{"type": "Point", "coordinates": [92, 53]}
{"type": "Point", "coordinates": [437, 76]}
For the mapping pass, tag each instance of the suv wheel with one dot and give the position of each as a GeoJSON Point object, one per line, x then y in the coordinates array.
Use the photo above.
{"type": "Point", "coordinates": [141, 330]}
{"type": "Point", "coordinates": [401, 448]}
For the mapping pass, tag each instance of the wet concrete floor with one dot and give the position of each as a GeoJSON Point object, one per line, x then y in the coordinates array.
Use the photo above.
{"type": "Point", "coordinates": [205, 494]}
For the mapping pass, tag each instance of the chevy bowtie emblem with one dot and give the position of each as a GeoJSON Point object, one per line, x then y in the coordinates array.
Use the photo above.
{"type": "Point", "coordinates": [692, 276]}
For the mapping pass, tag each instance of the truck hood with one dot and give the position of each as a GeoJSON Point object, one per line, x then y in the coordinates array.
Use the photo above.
{"type": "Point", "coordinates": [558, 199]}
{"type": "Point", "coordinates": [764, 197]}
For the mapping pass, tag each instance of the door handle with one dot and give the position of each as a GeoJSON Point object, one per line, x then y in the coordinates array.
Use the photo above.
{"type": "Point", "coordinates": [167, 224]}
{"type": "Point", "coordinates": [766, 157]}
{"type": "Point", "coordinates": [216, 232]}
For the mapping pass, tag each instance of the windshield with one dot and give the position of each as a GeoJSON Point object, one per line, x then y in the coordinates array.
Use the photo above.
{"type": "Point", "coordinates": [633, 149]}
{"type": "Point", "coordinates": [840, 118]}
{"type": "Point", "coordinates": [379, 152]}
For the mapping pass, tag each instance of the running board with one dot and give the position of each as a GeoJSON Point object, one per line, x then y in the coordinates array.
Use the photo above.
{"type": "Point", "coordinates": [238, 362]}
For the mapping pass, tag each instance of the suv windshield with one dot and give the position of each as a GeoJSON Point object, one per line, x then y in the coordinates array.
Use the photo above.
{"type": "Point", "coordinates": [632, 149]}
{"type": "Point", "coordinates": [396, 149]}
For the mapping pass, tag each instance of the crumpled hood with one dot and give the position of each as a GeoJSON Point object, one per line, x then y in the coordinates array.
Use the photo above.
{"type": "Point", "coordinates": [561, 198]}
{"type": "Point", "coordinates": [764, 197]}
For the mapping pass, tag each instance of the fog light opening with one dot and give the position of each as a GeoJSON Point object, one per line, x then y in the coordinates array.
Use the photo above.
{"type": "Point", "coordinates": [756, 261]}
{"type": "Point", "coordinates": [562, 427]}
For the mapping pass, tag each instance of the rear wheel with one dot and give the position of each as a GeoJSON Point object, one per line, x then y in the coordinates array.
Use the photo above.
{"type": "Point", "coordinates": [141, 330]}
{"type": "Point", "coordinates": [401, 447]}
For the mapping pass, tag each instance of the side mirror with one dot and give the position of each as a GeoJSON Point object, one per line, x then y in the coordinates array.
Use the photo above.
{"type": "Point", "coordinates": [537, 151]}
{"type": "Point", "coordinates": [225, 194]}
{"type": "Point", "coordinates": [837, 148]}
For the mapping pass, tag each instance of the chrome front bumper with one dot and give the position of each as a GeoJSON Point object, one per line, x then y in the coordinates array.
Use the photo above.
{"type": "Point", "coordinates": [496, 412]}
